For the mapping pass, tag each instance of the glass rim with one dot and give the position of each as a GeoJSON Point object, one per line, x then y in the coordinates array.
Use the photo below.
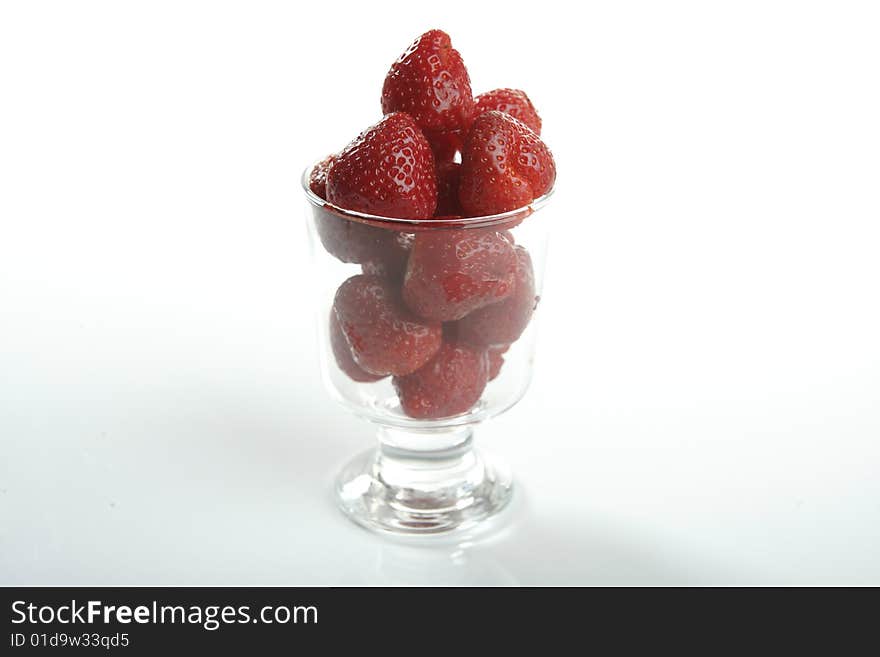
{"type": "Point", "coordinates": [517, 214]}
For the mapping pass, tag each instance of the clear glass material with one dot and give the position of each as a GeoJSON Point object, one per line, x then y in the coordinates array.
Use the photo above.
{"type": "Point", "coordinates": [425, 475]}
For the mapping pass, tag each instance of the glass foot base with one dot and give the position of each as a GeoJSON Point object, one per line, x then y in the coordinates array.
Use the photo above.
{"type": "Point", "coordinates": [403, 491]}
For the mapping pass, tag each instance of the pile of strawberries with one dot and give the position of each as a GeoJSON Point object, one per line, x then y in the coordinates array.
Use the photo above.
{"type": "Point", "coordinates": [435, 307]}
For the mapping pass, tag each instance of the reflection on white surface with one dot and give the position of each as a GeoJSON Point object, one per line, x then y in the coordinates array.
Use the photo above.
{"type": "Point", "coordinates": [399, 565]}
{"type": "Point", "coordinates": [526, 549]}
{"type": "Point", "coordinates": [440, 560]}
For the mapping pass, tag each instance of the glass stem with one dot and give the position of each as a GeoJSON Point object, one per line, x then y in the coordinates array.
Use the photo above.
{"type": "Point", "coordinates": [422, 481]}
{"type": "Point", "coordinates": [421, 465]}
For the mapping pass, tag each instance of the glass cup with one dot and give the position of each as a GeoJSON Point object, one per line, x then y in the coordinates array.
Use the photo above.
{"type": "Point", "coordinates": [426, 328]}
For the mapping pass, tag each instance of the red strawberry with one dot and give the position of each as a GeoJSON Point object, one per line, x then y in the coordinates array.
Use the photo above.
{"type": "Point", "coordinates": [385, 337]}
{"type": "Point", "coordinates": [387, 171]}
{"type": "Point", "coordinates": [342, 353]}
{"type": "Point", "coordinates": [502, 323]}
{"type": "Point", "coordinates": [430, 82]}
{"type": "Point", "coordinates": [390, 261]}
{"type": "Point", "coordinates": [451, 273]}
{"type": "Point", "coordinates": [504, 166]}
{"type": "Point", "coordinates": [446, 145]}
{"type": "Point", "coordinates": [449, 384]}
{"type": "Point", "coordinates": [318, 176]}
{"type": "Point", "coordinates": [349, 240]}
{"type": "Point", "coordinates": [510, 101]}
{"type": "Point", "coordinates": [496, 360]}
{"type": "Point", "coordinates": [448, 175]}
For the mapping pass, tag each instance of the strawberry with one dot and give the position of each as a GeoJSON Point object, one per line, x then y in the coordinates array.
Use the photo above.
{"type": "Point", "coordinates": [390, 260]}
{"type": "Point", "coordinates": [502, 323]}
{"type": "Point", "coordinates": [342, 353]}
{"type": "Point", "coordinates": [388, 170]}
{"type": "Point", "coordinates": [449, 384]}
{"type": "Point", "coordinates": [385, 337]}
{"type": "Point", "coordinates": [510, 101]}
{"type": "Point", "coordinates": [349, 240]}
{"type": "Point", "coordinates": [451, 273]}
{"type": "Point", "coordinates": [496, 360]}
{"type": "Point", "coordinates": [504, 166]}
{"type": "Point", "coordinates": [446, 145]}
{"type": "Point", "coordinates": [448, 175]}
{"type": "Point", "coordinates": [318, 176]}
{"type": "Point", "coordinates": [430, 82]}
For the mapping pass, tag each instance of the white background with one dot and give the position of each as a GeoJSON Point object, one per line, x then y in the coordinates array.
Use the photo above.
{"type": "Point", "coordinates": [706, 407]}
